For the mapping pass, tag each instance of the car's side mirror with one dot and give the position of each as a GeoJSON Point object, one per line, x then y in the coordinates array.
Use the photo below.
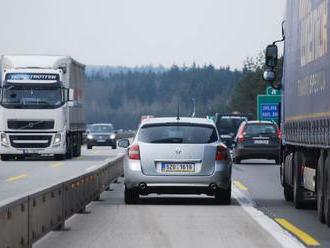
{"type": "Point", "coordinates": [271, 56]}
{"type": "Point", "coordinates": [123, 143]}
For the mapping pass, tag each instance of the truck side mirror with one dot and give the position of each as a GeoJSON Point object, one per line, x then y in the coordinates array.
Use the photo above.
{"type": "Point", "coordinates": [271, 56]}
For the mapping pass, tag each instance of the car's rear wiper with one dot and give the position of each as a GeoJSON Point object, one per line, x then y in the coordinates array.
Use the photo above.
{"type": "Point", "coordinates": [168, 140]}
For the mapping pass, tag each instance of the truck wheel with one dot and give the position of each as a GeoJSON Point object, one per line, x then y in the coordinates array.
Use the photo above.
{"type": "Point", "coordinates": [223, 196]}
{"type": "Point", "coordinates": [114, 146]}
{"type": "Point", "coordinates": [69, 147]}
{"type": "Point", "coordinates": [5, 157]}
{"type": "Point", "coordinates": [287, 190]}
{"type": "Point", "coordinates": [298, 191]}
{"type": "Point", "coordinates": [326, 198]}
{"type": "Point", "coordinates": [59, 157]}
{"type": "Point", "coordinates": [131, 196]}
{"type": "Point", "coordinates": [89, 147]}
{"type": "Point", "coordinates": [320, 188]}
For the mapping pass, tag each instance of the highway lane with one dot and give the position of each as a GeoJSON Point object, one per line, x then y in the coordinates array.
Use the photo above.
{"type": "Point", "coordinates": [17, 178]}
{"type": "Point", "coordinates": [169, 221]}
{"type": "Point", "coordinates": [261, 178]}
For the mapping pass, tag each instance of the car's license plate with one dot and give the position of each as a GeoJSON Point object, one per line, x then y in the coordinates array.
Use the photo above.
{"type": "Point", "coordinates": [176, 167]}
{"type": "Point", "coordinates": [261, 142]}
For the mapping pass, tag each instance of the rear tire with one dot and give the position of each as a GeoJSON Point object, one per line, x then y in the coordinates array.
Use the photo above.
{"type": "Point", "coordinates": [288, 194]}
{"type": "Point", "coordinates": [114, 146]}
{"type": "Point", "coordinates": [237, 160]}
{"type": "Point", "coordinates": [298, 191]}
{"type": "Point", "coordinates": [320, 187]}
{"type": "Point", "coordinates": [89, 147]}
{"type": "Point", "coordinates": [131, 196]}
{"type": "Point", "coordinates": [327, 191]}
{"type": "Point", "coordinates": [223, 196]}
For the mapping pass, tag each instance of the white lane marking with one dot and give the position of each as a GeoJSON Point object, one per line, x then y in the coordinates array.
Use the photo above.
{"type": "Point", "coordinates": [286, 239]}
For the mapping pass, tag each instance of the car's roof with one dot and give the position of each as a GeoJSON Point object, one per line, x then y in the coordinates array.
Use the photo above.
{"type": "Point", "coordinates": [260, 122]}
{"type": "Point", "coordinates": [192, 120]}
{"type": "Point", "coordinates": [101, 124]}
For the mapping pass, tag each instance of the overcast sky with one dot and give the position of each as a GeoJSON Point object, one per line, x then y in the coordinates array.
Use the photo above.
{"type": "Point", "coordinates": [141, 32]}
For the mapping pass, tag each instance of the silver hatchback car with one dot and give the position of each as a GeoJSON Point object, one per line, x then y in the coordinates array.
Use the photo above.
{"type": "Point", "coordinates": [177, 156]}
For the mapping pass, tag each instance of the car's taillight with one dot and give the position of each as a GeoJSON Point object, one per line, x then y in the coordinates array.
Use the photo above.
{"type": "Point", "coordinates": [134, 152]}
{"type": "Point", "coordinates": [221, 153]}
{"type": "Point", "coordinates": [240, 138]}
{"type": "Point", "coordinates": [279, 133]}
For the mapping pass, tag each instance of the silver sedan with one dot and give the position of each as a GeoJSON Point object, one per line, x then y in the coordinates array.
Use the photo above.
{"type": "Point", "coordinates": [177, 156]}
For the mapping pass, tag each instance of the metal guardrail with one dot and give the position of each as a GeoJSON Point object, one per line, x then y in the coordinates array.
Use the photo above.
{"type": "Point", "coordinates": [24, 221]}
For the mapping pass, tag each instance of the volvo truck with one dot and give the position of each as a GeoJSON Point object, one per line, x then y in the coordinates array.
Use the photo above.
{"type": "Point", "coordinates": [305, 108]}
{"type": "Point", "coordinates": [41, 107]}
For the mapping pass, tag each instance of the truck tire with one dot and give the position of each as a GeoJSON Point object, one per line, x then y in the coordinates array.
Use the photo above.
{"type": "Point", "coordinates": [89, 147]}
{"type": "Point", "coordinates": [5, 157]}
{"type": "Point", "coordinates": [114, 146]}
{"type": "Point", "coordinates": [131, 196]}
{"type": "Point", "coordinates": [326, 177]}
{"type": "Point", "coordinates": [298, 190]}
{"type": "Point", "coordinates": [320, 186]}
{"type": "Point", "coordinates": [287, 189]}
{"type": "Point", "coordinates": [59, 157]}
{"type": "Point", "coordinates": [69, 147]}
{"type": "Point", "coordinates": [223, 196]}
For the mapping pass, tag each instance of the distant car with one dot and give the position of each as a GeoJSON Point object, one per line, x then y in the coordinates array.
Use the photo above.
{"type": "Point", "coordinates": [101, 135]}
{"type": "Point", "coordinates": [177, 156]}
{"type": "Point", "coordinates": [228, 124]}
{"type": "Point", "coordinates": [257, 139]}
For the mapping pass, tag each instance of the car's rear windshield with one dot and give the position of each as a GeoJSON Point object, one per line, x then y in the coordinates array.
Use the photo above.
{"type": "Point", "coordinates": [260, 129]}
{"type": "Point", "coordinates": [178, 133]}
{"type": "Point", "coordinates": [101, 128]}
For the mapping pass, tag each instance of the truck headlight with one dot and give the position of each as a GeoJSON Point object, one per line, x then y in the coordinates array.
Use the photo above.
{"type": "Point", "coordinates": [112, 136]}
{"type": "Point", "coordinates": [4, 139]}
{"type": "Point", "coordinates": [89, 136]}
{"type": "Point", "coordinates": [57, 138]}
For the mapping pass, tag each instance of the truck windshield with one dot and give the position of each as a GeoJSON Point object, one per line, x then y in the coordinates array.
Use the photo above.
{"type": "Point", "coordinates": [32, 97]}
{"type": "Point", "coordinates": [228, 125]}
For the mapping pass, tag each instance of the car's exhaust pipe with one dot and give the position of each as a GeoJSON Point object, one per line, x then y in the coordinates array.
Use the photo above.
{"type": "Point", "coordinates": [142, 186]}
{"type": "Point", "coordinates": [213, 187]}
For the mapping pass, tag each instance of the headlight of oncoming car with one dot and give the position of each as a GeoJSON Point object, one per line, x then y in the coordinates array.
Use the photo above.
{"type": "Point", "coordinates": [57, 138]}
{"type": "Point", "coordinates": [112, 136]}
{"type": "Point", "coordinates": [89, 136]}
{"type": "Point", "coordinates": [4, 139]}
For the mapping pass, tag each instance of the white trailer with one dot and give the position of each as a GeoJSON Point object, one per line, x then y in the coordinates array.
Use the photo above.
{"type": "Point", "coordinates": [41, 106]}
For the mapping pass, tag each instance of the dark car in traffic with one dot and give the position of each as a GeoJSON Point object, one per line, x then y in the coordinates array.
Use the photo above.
{"type": "Point", "coordinates": [257, 140]}
{"type": "Point", "coordinates": [101, 134]}
{"type": "Point", "coordinates": [228, 124]}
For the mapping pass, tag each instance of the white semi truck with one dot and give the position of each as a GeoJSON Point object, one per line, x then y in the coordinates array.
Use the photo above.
{"type": "Point", "coordinates": [41, 106]}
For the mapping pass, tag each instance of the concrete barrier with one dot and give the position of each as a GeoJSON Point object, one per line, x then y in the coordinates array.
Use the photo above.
{"type": "Point", "coordinates": [23, 221]}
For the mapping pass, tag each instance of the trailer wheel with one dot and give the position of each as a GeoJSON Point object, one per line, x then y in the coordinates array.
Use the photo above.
{"type": "Point", "coordinates": [287, 190]}
{"type": "Point", "coordinates": [320, 188]}
{"type": "Point", "coordinates": [298, 191]}
{"type": "Point", "coordinates": [327, 191]}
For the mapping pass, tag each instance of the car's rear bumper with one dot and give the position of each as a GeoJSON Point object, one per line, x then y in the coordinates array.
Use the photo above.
{"type": "Point", "coordinates": [258, 153]}
{"type": "Point", "coordinates": [134, 177]}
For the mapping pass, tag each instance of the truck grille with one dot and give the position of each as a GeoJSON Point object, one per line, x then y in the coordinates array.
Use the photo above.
{"type": "Point", "coordinates": [30, 125]}
{"type": "Point", "coordinates": [30, 141]}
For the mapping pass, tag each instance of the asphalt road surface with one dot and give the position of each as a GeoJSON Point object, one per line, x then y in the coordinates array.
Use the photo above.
{"type": "Point", "coordinates": [258, 217]}
{"type": "Point", "coordinates": [18, 178]}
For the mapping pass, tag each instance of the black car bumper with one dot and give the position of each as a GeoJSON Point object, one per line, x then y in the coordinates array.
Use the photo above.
{"type": "Point", "coordinates": [109, 142]}
{"type": "Point", "coordinates": [257, 153]}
